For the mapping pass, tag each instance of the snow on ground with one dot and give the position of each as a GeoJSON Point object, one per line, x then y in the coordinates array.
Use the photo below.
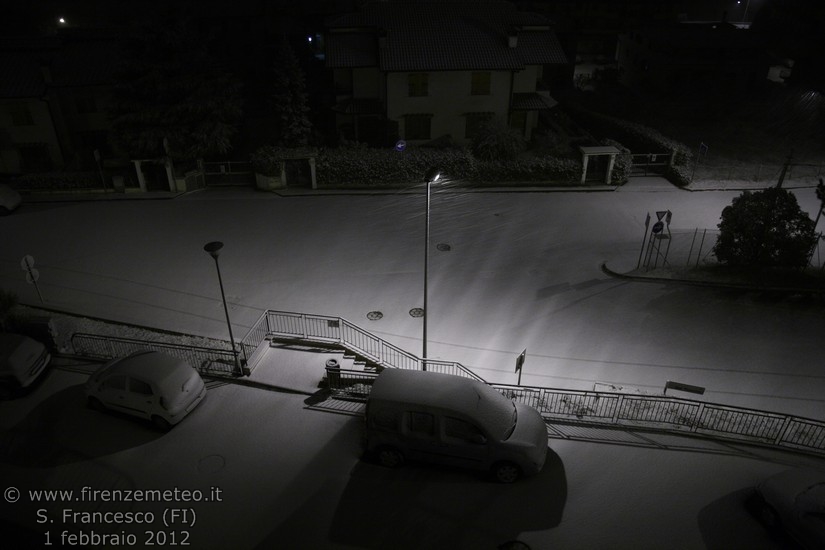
{"type": "Point", "coordinates": [522, 272]}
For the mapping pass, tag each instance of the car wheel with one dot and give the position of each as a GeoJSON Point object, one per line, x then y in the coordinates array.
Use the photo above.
{"type": "Point", "coordinates": [506, 472]}
{"type": "Point", "coordinates": [95, 404]}
{"type": "Point", "coordinates": [769, 517]}
{"type": "Point", "coordinates": [390, 457]}
{"type": "Point", "coordinates": [161, 423]}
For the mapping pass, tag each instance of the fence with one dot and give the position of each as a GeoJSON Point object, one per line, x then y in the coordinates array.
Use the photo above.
{"type": "Point", "coordinates": [650, 164]}
{"type": "Point", "coordinates": [661, 413]}
{"type": "Point", "coordinates": [680, 248]}
{"type": "Point", "coordinates": [229, 172]}
{"type": "Point", "coordinates": [673, 414]}
{"type": "Point", "coordinates": [204, 360]}
{"type": "Point", "coordinates": [664, 413]}
{"type": "Point", "coordinates": [336, 330]}
{"type": "Point", "coordinates": [763, 174]}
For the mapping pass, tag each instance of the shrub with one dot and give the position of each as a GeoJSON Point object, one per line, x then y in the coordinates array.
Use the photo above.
{"type": "Point", "coordinates": [623, 164]}
{"type": "Point", "coordinates": [267, 160]}
{"type": "Point", "coordinates": [495, 140]}
{"type": "Point", "coordinates": [765, 229]}
{"type": "Point", "coordinates": [381, 167]}
{"type": "Point", "coordinates": [637, 135]}
{"type": "Point", "coordinates": [546, 169]}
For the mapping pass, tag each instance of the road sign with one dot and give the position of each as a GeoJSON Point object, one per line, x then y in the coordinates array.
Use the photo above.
{"type": "Point", "coordinates": [660, 214]}
{"type": "Point", "coordinates": [520, 364]}
{"type": "Point", "coordinates": [400, 145]}
{"type": "Point", "coordinates": [658, 226]}
{"type": "Point", "coordinates": [27, 263]}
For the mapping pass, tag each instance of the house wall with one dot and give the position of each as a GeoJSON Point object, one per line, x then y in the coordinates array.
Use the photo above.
{"type": "Point", "coordinates": [525, 81]}
{"type": "Point", "coordinates": [448, 100]}
{"type": "Point", "coordinates": [80, 114]}
{"type": "Point", "coordinates": [367, 83]}
{"type": "Point", "coordinates": [12, 136]}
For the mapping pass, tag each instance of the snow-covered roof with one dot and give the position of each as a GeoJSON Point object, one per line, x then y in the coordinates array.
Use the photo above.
{"type": "Point", "coordinates": [477, 400]}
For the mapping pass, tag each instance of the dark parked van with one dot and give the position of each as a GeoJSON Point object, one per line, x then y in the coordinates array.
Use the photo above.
{"type": "Point", "coordinates": [452, 420]}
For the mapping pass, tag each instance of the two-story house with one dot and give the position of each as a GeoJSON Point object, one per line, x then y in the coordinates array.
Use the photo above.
{"type": "Point", "coordinates": [53, 97]}
{"type": "Point", "coordinates": [419, 71]}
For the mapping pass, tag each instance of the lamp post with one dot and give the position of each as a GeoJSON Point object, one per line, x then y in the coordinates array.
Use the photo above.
{"type": "Point", "coordinates": [214, 248]}
{"type": "Point", "coordinates": [432, 176]}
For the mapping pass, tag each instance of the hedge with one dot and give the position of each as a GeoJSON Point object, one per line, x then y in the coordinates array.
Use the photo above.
{"type": "Point", "coordinates": [631, 132]}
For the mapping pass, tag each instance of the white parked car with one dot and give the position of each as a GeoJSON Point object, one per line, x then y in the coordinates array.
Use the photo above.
{"type": "Point", "coordinates": [147, 384]}
{"type": "Point", "coordinates": [9, 199]}
{"type": "Point", "coordinates": [452, 420]}
{"type": "Point", "coordinates": [794, 502]}
{"type": "Point", "coordinates": [22, 360]}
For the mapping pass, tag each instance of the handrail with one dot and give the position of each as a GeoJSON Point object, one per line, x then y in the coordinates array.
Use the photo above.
{"type": "Point", "coordinates": [665, 413]}
{"type": "Point", "coordinates": [673, 414]}
{"type": "Point", "coordinates": [202, 359]}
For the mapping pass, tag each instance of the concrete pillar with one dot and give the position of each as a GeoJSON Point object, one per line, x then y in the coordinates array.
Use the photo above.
{"type": "Point", "coordinates": [170, 176]}
{"type": "Point", "coordinates": [584, 167]}
{"type": "Point", "coordinates": [141, 179]}
{"type": "Point", "coordinates": [312, 172]}
{"type": "Point", "coordinates": [610, 164]}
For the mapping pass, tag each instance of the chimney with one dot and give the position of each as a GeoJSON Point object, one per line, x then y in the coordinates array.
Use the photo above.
{"type": "Point", "coordinates": [512, 38]}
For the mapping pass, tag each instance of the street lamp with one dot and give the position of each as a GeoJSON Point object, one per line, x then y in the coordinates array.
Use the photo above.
{"type": "Point", "coordinates": [214, 248]}
{"type": "Point", "coordinates": [432, 176]}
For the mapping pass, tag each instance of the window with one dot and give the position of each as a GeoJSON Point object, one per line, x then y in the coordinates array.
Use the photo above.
{"type": "Point", "coordinates": [459, 429]}
{"type": "Point", "coordinates": [34, 157]}
{"type": "Point", "coordinates": [20, 115]}
{"type": "Point", "coordinates": [480, 83]}
{"type": "Point", "coordinates": [85, 104]}
{"type": "Point", "coordinates": [474, 122]}
{"type": "Point", "coordinates": [139, 386]}
{"type": "Point", "coordinates": [417, 126]}
{"type": "Point", "coordinates": [419, 423]}
{"type": "Point", "coordinates": [117, 382]}
{"type": "Point", "coordinates": [386, 419]}
{"type": "Point", "coordinates": [417, 84]}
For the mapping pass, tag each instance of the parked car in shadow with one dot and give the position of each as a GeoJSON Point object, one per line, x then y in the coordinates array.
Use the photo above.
{"type": "Point", "coordinates": [22, 361]}
{"type": "Point", "coordinates": [147, 384]}
{"type": "Point", "coordinates": [793, 502]}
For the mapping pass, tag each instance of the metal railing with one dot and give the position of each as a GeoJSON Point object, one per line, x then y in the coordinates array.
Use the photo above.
{"type": "Point", "coordinates": [204, 360]}
{"type": "Point", "coordinates": [662, 413]}
{"type": "Point", "coordinates": [673, 414]}
{"type": "Point", "coordinates": [339, 331]}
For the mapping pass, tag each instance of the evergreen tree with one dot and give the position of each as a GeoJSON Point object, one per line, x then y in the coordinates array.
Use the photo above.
{"type": "Point", "coordinates": [289, 99]}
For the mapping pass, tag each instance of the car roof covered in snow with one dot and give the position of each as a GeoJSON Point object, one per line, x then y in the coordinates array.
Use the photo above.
{"type": "Point", "coordinates": [151, 365]}
{"type": "Point", "coordinates": [471, 398]}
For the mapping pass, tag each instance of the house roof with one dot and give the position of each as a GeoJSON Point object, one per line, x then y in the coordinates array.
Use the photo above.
{"type": "Point", "coordinates": [532, 101]}
{"type": "Point", "coordinates": [444, 36]}
{"type": "Point", "coordinates": [28, 68]}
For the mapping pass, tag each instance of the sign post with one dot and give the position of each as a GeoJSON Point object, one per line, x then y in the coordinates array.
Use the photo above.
{"type": "Point", "coordinates": [520, 364]}
{"type": "Point", "coordinates": [647, 224]}
{"type": "Point", "coordinates": [27, 263]}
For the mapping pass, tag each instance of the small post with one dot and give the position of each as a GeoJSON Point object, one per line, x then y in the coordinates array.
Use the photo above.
{"type": "Point", "coordinates": [520, 365]}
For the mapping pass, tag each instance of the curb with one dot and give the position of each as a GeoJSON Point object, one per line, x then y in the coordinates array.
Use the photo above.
{"type": "Point", "coordinates": [710, 284]}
